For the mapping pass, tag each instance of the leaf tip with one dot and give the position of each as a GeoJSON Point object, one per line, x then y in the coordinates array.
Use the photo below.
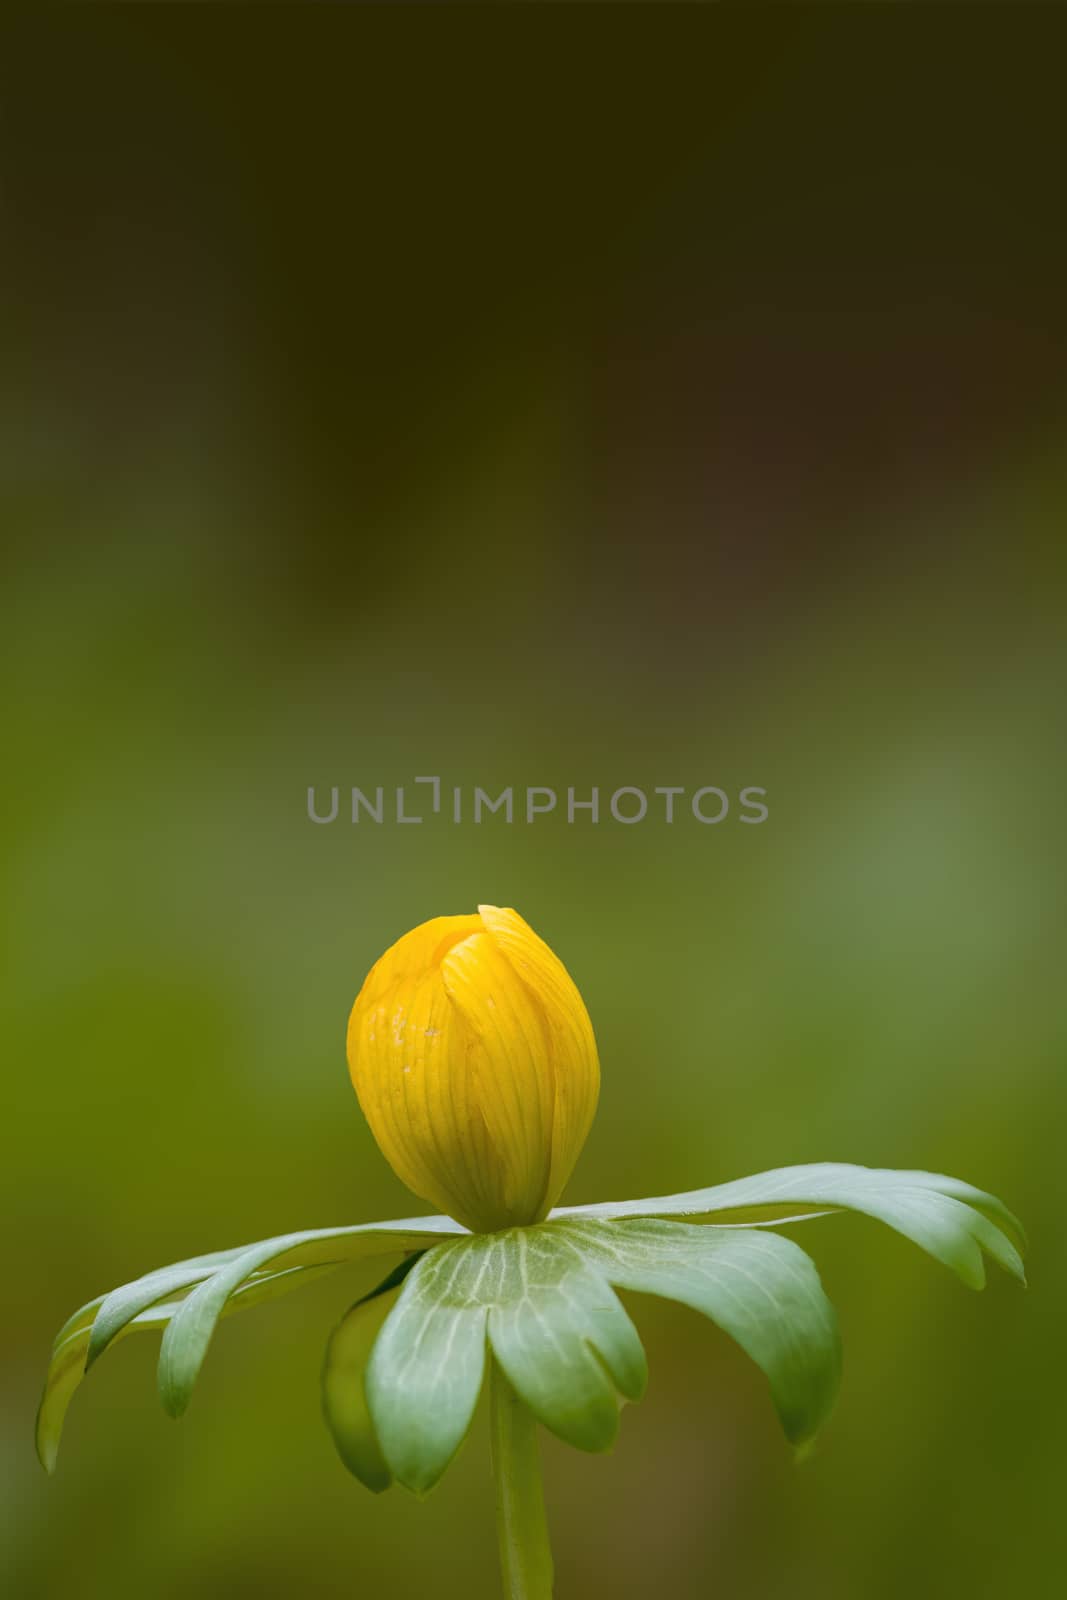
{"type": "Point", "coordinates": [804, 1449]}
{"type": "Point", "coordinates": [1015, 1267]}
{"type": "Point", "coordinates": [173, 1396]}
{"type": "Point", "coordinates": [97, 1346]}
{"type": "Point", "coordinates": [46, 1437]}
{"type": "Point", "coordinates": [416, 1484]}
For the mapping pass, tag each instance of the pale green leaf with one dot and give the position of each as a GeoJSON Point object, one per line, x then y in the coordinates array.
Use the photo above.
{"type": "Point", "coordinates": [565, 1342]}
{"type": "Point", "coordinates": [189, 1332]}
{"type": "Point", "coordinates": [70, 1351]}
{"type": "Point", "coordinates": [65, 1371]}
{"type": "Point", "coordinates": [152, 1301]}
{"type": "Point", "coordinates": [344, 1398]}
{"type": "Point", "coordinates": [759, 1288]}
{"type": "Point", "coordinates": [123, 1304]}
{"type": "Point", "coordinates": [425, 1372]}
{"type": "Point", "coordinates": [951, 1220]}
{"type": "Point", "coordinates": [68, 1365]}
{"type": "Point", "coordinates": [544, 1298]}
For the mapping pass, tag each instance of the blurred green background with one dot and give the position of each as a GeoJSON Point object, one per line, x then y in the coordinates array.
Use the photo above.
{"type": "Point", "coordinates": [535, 397]}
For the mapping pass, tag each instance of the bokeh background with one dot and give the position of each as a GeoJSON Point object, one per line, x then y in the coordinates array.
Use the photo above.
{"type": "Point", "coordinates": [551, 397]}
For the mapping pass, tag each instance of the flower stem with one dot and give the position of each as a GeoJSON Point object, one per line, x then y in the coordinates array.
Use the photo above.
{"type": "Point", "coordinates": [522, 1532]}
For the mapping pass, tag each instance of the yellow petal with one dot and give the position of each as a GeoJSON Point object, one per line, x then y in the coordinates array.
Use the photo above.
{"type": "Point", "coordinates": [406, 1060]}
{"type": "Point", "coordinates": [510, 1076]}
{"type": "Point", "coordinates": [418, 952]}
{"type": "Point", "coordinates": [572, 1045]}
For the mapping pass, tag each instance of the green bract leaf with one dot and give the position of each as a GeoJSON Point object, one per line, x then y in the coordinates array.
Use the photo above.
{"type": "Point", "coordinates": [344, 1398]}
{"type": "Point", "coordinates": [950, 1220]}
{"type": "Point", "coordinates": [69, 1354]}
{"type": "Point", "coordinates": [189, 1331]}
{"type": "Point", "coordinates": [71, 1350]}
{"type": "Point", "coordinates": [124, 1304]}
{"type": "Point", "coordinates": [759, 1288]}
{"type": "Point", "coordinates": [543, 1297]}
{"type": "Point", "coordinates": [65, 1371]}
{"type": "Point", "coordinates": [264, 1271]}
{"type": "Point", "coordinates": [425, 1372]}
{"type": "Point", "coordinates": [562, 1337]}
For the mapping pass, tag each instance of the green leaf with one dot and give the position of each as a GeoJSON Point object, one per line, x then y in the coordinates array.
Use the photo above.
{"type": "Point", "coordinates": [344, 1399]}
{"type": "Point", "coordinates": [150, 1303]}
{"type": "Point", "coordinates": [190, 1330]}
{"type": "Point", "coordinates": [951, 1220]}
{"type": "Point", "coordinates": [68, 1365]}
{"type": "Point", "coordinates": [72, 1354]}
{"type": "Point", "coordinates": [759, 1288]}
{"type": "Point", "coordinates": [544, 1299]}
{"type": "Point", "coordinates": [123, 1304]}
{"type": "Point", "coordinates": [425, 1372]}
{"type": "Point", "coordinates": [565, 1342]}
{"type": "Point", "coordinates": [65, 1371]}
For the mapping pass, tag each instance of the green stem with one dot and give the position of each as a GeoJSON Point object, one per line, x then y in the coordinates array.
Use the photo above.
{"type": "Point", "coordinates": [522, 1532]}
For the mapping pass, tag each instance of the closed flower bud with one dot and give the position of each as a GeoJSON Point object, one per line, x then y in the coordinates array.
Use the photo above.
{"type": "Point", "coordinates": [474, 1061]}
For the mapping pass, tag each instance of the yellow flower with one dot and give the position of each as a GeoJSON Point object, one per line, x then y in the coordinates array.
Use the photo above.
{"type": "Point", "coordinates": [474, 1060]}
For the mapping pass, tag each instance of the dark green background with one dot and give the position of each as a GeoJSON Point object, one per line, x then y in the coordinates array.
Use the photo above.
{"type": "Point", "coordinates": [615, 396]}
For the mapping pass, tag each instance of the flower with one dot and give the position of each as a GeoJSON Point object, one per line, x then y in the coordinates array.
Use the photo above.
{"type": "Point", "coordinates": [474, 1061]}
{"type": "Point", "coordinates": [475, 1064]}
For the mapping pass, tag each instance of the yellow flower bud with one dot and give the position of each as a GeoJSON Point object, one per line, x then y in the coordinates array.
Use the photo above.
{"type": "Point", "coordinates": [474, 1060]}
